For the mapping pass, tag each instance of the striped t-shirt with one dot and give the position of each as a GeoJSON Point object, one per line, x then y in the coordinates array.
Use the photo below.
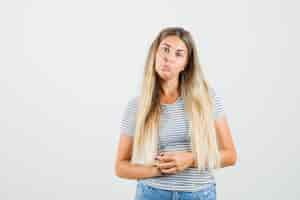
{"type": "Point", "coordinates": [173, 136]}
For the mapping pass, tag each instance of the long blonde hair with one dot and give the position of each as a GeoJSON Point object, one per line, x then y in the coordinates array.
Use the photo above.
{"type": "Point", "coordinates": [198, 103]}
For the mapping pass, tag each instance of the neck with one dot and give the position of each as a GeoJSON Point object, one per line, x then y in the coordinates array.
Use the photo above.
{"type": "Point", "coordinates": [170, 88]}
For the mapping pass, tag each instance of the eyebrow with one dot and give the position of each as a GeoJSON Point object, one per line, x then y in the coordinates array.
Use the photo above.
{"type": "Point", "coordinates": [170, 46]}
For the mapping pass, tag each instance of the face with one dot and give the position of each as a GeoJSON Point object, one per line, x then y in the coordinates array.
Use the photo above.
{"type": "Point", "coordinates": [171, 57]}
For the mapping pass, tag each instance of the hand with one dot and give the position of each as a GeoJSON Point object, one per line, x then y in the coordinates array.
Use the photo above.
{"type": "Point", "coordinates": [173, 162]}
{"type": "Point", "coordinates": [156, 171]}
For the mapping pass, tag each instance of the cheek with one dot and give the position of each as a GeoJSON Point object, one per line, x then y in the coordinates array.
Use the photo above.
{"type": "Point", "coordinates": [158, 60]}
{"type": "Point", "coordinates": [180, 66]}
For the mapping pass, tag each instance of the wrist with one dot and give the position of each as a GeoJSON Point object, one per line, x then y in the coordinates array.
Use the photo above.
{"type": "Point", "coordinates": [192, 160]}
{"type": "Point", "coordinates": [156, 171]}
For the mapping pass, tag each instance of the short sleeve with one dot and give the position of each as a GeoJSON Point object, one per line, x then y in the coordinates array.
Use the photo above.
{"type": "Point", "coordinates": [219, 109]}
{"type": "Point", "coordinates": [127, 124]}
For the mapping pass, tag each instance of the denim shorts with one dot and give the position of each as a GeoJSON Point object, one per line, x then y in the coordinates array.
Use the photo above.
{"type": "Point", "coordinates": [146, 192]}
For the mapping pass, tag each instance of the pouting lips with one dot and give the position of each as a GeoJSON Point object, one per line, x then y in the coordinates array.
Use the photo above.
{"type": "Point", "coordinates": [165, 67]}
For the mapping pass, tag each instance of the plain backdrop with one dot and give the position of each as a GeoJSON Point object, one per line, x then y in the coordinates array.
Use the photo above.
{"type": "Point", "coordinates": [68, 69]}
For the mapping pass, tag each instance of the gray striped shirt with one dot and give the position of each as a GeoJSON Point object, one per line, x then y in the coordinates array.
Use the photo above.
{"type": "Point", "coordinates": [173, 136]}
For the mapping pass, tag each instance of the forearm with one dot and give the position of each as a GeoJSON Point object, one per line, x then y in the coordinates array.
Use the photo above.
{"type": "Point", "coordinates": [228, 158]}
{"type": "Point", "coordinates": [127, 170]}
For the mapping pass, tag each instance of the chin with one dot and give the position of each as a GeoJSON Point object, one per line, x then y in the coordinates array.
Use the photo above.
{"type": "Point", "coordinates": [165, 78]}
{"type": "Point", "coordinates": [164, 75]}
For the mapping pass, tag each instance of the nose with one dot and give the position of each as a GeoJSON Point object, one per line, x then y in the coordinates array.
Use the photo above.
{"type": "Point", "coordinates": [169, 58]}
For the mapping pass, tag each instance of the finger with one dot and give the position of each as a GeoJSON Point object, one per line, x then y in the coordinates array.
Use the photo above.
{"type": "Point", "coordinates": [166, 158]}
{"type": "Point", "coordinates": [169, 171]}
{"type": "Point", "coordinates": [166, 165]}
{"type": "Point", "coordinates": [158, 158]}
{"type": "Point", "coordinates": [156, 163]}
{"type": "Point", "coordinates": [167, 153]}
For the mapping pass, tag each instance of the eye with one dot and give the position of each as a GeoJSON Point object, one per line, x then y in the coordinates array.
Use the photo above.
{"type": "Point", "coordinates": [179, 55]}
{"type": "Point", "coordinates": [165, 49]}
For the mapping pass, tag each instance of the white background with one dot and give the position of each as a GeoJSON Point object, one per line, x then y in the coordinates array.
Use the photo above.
{"type": "Point", "coordinates": [68, 68]}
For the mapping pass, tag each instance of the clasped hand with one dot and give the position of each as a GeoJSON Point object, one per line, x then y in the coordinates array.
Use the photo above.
{"type": "Point", "coordinates": [173, 162]}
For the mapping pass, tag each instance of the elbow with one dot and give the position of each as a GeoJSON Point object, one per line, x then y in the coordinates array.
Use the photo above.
{"type": "Point", "coordinates": [234, 158]}
{"type": "Point", "coordinates": [117, 170]}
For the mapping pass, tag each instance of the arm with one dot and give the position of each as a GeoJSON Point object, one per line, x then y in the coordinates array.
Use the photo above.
{"type": "Point", "coordinates": [227, 149]}
{"type": "Point", "coordinates": [172, 162]}
{"type": "Point", "coordinates": [127, 170]}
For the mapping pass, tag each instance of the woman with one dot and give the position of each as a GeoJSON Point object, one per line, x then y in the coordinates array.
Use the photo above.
{"type": "Point", "coordinates": [175, 132]}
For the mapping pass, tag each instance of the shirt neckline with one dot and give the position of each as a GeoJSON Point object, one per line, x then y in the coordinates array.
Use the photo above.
{"type": "Point", "coordinates": [179, 98]}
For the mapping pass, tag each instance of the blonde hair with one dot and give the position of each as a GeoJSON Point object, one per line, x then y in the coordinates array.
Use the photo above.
{"type": "Point", "coordinates": [197, 101]}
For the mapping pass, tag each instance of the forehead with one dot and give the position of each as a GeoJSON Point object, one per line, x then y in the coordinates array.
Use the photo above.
{"type": "Point", "coordinates": [174, 42]}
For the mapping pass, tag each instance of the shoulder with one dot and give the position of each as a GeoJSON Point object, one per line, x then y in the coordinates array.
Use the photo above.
{"type": "Point", "coordinates": [215, 92]}
{"type": "Point", "coordinates": [132, 105]}
{"type": "Point", "coordinates": [218, 103]}
{"type": "Point", "coordinates": [212, 91]}
{"type": "Point", "coordinates": [133, 102]}
{"type": "Point", "coordinates": [127, 125]}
